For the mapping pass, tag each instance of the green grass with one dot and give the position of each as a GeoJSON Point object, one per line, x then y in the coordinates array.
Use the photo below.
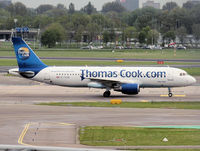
{"type": "Point", "coordinates": [131, 136]}
{"type": "Point", "coordinates": [8, 62]}
{"type": "Point", "coordinates": [164, 105]}
{"type": "Point", "coordinates": [192, 71]}
{"type": "Point", "coordinates": [134, 53]}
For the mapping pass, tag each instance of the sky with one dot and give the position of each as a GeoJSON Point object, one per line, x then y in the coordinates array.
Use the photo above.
{"type": "Point", "coordinates": [80, 3]}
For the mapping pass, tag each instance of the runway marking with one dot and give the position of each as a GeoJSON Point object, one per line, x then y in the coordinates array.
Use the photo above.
{"type": "Point", "coordinates": [21, 138]}
{"type": "Point", "coordinates": [144, 101]}
{"type": "Point", "coordinates": [52, 123]}
{"type": "Point", "coordinates": [173, 95]}
{"type": "Point", "coordinates": [66, 124]}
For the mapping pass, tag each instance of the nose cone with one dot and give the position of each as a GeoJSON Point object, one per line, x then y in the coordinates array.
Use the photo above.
{"type": "Point", "coordinates": [192, 80]}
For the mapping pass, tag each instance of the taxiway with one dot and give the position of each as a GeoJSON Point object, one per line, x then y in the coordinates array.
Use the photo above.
{"type": "Point", "coordinates": [24, 123]}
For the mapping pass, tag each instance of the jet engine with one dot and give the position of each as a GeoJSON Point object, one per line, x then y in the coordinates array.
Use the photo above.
{"type": "Point", "coordinates": [130, 89]}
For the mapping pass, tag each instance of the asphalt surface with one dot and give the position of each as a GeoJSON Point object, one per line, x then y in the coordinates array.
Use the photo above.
{"type": "Point", "coordinates": [20, 90]}
{"type": "Point", "coordinates": [21, 122]}
{"type": "Point", "coordinates": [46, 131]}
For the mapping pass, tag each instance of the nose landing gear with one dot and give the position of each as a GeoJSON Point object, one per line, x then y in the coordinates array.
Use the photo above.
{"type": "Point", "coordinates": [170, 94]}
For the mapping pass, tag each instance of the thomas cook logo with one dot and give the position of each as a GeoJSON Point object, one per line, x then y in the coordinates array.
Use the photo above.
{"type": "Point", "coordinates": [23, 53]}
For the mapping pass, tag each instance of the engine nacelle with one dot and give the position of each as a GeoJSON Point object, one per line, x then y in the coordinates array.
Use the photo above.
{"type": "Point", "coordinates": [130, 89]}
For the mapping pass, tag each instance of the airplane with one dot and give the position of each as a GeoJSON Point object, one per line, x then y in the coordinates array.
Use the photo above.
{"type": "Point", "coordinates": [127, 80]}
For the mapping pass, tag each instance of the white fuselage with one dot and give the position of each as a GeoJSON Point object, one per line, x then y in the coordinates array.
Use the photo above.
{"type": "Point", "coordinates": [87, 76]}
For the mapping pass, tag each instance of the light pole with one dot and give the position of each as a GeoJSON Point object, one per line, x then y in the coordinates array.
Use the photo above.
{"type": "Point", "coordinates": [15, 21]}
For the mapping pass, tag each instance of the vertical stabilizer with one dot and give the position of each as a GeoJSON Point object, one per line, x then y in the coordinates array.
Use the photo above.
{"type": "Point", "coordinates": [28, 62]}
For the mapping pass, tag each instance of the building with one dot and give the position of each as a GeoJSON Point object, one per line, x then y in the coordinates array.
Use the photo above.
{"type": "Point", "coordinates": [5, 35]}
{"type": "Point", "coordinates": [151, 3]}
{"type": "Point", "coordinates": [5, 3]}
{"type": "Point", "coordinates": [130, 5]}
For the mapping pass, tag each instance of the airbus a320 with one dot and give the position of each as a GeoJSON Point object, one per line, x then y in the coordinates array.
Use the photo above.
{"type": "Point", "coordinates": [127, 80]}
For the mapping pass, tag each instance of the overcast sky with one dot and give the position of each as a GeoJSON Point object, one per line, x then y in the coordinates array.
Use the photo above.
{"type": "Point", "coordinates": [80, 3]}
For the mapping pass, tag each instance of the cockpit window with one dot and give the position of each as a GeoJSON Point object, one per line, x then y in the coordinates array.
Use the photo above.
{"type": "Point", "coordinates": [183, 74]}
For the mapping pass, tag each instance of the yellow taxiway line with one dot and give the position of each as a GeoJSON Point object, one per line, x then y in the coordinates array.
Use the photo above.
{"type": "Point", "coordinates": [21, 138]}
{"type": "Point", "coordinates": [173, 96]}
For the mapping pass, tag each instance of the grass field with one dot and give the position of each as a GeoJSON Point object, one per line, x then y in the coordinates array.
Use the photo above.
{"type": "Point", "coordinates": [131, 136]}
{"type": "Point", "coordinates": [134, 53]}
{"type": "Point", "coordinates": [164, 105]}
{"type": "Point", "coordinates": [192, 71]}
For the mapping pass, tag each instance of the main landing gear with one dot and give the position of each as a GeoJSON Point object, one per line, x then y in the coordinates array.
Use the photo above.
{"type": "Point", "coordinates": [170, 94]}
{"type": "Point", "coordinates": [106, 93]}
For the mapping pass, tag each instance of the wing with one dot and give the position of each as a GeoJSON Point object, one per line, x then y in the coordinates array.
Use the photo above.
{"type": "Point", "coordinates": [111, 82]}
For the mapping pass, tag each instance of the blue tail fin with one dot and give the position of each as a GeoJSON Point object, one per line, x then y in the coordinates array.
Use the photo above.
{"type": "Point", "coordinates": [28, 62]}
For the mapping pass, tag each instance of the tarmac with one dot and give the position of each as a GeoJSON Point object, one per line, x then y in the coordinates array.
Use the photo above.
{"type": "Point", "coordinates": [24, 123]}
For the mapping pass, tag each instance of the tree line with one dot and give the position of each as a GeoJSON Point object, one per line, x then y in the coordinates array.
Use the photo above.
{"type": "Point", "coordinates": [113, 23]}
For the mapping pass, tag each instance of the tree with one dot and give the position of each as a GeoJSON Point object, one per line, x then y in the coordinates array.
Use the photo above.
{"type": "Point", "coordinates": [42, 21]}
{"type": "Point", "coordinates": [17, 9]}
{"type": "Point", "coordinates": [143, 35]}
{"type": "Point", "coordinates": [54, 33]}
{"type": "Point", "coordinates": [170, 6]}
{"type": "Point", "coordinates": [55, 13]}
{"type": "Point", "coordinates": [106, 37]}
{"type": "Point", "coordinates": [152, 37]}
{"type": "Point", "coordinates": [61, 6]}
{"type": "Point", "coordinates": [113, 6]}
{"type": "Point", "coordinates": [195, 14]}
{"type": "Point", "coordinates": [181, 33]}
{"type": "Point", "coordinates": [49, 38]}
{"type": "Point", "coordinates": [71, 8]}
{"type": "Point", "coordinates": [188, 5]}
{"type": "Point", "coordinates": [196, 31]}
{"type": "Point", "coordinates": [147, 16]}
{"type": "Point", "coordinates": [89, 9]}
{"type": "Point", "coordinates": [80, 19]}
{"type": "Point", "coordinates": [93, 30]}
{"type": "Point", "coordinates": [112, 35]}
{"type": "Point", "coordinates": [173, 20]}
{"type": "Point", "coordinates": [99, 19]}
{"type": "Point", "coordinates": [79, 33]}
{"type": "Point", "coordinates": [130, 32]}
{"type": "Point", "coordinates": [4, 14]}
{"type": "Point", "coordinates": [168, 36]}
{"type": "Point", "coordinates": [43, 8]}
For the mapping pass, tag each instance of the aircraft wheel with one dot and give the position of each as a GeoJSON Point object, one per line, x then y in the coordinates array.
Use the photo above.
{"type": "Point", "coordinates": [170, 95]}
{"type": "Point", "coordinates": [170, 92]}
{"type": "Point", "coordinates": [106, 94]}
